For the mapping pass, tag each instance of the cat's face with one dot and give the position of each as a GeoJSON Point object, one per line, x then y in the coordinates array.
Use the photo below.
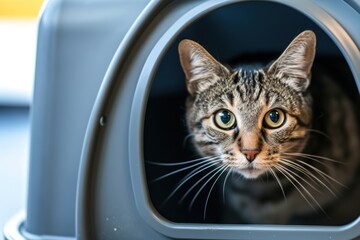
{"type": "Point", "coordinates": [250, 119]}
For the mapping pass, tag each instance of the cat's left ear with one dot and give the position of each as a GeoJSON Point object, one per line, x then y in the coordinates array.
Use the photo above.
{"type": "Point", "coordinates": [294, 64]}
{"type": "Point", "coordinates": [200, 68]}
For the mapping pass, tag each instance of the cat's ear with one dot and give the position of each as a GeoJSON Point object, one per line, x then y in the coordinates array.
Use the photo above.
{"type": "Point", "coordinates": [294, 64]}
{"type": "Point", "coordinates": [200, 68]}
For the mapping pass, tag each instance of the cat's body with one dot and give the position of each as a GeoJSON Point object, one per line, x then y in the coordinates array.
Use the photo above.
{"type": "Point", "coordinates": [285, 153]}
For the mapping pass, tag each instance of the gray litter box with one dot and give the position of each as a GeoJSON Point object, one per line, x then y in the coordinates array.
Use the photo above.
{"type": "Point", "coordinates": [95, 123]}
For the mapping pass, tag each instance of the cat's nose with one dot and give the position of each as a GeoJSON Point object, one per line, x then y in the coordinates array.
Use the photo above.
{"type": "Point", "coordinates": [250, 154]}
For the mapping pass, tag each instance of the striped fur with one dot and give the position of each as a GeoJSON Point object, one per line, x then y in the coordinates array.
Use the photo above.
{"type": "Point", "coordinates": [307, 182]}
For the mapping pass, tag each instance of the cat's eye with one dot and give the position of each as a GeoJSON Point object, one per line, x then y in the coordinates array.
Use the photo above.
{"type": "Point", "coordinates": [274, 118]}
{"type": "Point", "coordinates": [224, 119]}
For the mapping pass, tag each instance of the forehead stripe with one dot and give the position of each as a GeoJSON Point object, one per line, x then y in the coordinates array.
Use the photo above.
{"type": "Point", "coordinates": [230, 96]}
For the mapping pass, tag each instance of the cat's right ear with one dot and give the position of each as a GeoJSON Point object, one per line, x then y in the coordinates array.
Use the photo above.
{"type": "Point", "coordinates": [200, 68]}
{"type": "Point", "coordinates": [294, 64]}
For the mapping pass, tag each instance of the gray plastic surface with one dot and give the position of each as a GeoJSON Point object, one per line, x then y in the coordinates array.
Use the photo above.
{"type": "Point", "coordinates": [113, 153]}
{"type": "Point", "coordinates": [108, 193]}
{"type": "Point", "coordinates": [76, 42]}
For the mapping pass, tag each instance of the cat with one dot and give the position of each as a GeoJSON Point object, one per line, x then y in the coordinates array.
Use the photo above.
{"type": "Point", "coordinates": [258, 128]}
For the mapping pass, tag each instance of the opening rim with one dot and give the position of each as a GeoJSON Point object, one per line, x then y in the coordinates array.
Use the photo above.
{"type": "Point", "coordinates": [342, 40]}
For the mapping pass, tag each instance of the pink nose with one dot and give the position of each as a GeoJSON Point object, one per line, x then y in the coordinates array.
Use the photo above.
{"type": "Point", "coordinates": [250, 154]}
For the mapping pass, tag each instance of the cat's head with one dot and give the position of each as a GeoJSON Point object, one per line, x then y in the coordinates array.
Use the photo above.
{"type": "Point", "coordinates": [249, 118]}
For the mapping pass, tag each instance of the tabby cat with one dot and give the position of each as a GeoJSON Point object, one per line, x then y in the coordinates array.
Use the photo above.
{"type": "Point", "coordinates": [256, 128]}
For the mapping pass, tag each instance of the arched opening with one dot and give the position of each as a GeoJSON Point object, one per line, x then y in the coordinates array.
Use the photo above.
{"type": "Point", "coordinates": [243, 33]}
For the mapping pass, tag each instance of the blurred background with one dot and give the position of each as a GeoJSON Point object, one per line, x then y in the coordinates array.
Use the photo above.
{"type": "Point", "coordinates": [18, 30]}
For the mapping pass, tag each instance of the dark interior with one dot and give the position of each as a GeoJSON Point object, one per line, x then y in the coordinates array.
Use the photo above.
{"type": "Point", "coordinates": [249, 32]}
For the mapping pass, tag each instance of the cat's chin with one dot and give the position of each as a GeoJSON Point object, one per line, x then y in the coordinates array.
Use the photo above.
{"type": "Point", "coordinates": [250, 173]}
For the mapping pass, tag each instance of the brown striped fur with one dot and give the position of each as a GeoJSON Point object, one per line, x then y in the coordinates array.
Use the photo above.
{"type": "Point", "coordinates": [249, 95]}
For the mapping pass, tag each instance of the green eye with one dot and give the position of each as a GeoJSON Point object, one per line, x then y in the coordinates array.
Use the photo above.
{"type": "Point", "coordinates": [224, 119]}
{"type": "Point", "coordinates": [274, 118]}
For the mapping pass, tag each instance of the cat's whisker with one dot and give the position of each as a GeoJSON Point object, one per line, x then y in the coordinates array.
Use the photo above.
{"type": "Point", "coordinates": [188, 137]}
{"type": "Point", "coordinates": [302, 169]}
{"type": "Point", "coordinates": [181, 163]}
{"type": "Point", "coordinates": [224, 184]}
{"type": "Point", "coordinates": [330, 180]}
{"type": "Point", "coordinates": [204, 185]}
{"type": "Point", "coordinates": [279, 182]}
{"type": "Point", "coordinates": [185, 168]}
{"type": "Point", "coordinates": [285, 172]}
{"type": "Point", "coordinates": [188, 177]}
{"type": "Point", "coordinates": [194, 185]}
{"type": "Point", "coordinates": [318, 161]}
{"type": "Point", "coordinates": [199, 170]}
{"type": "Point", "coordinates": [239, 177]}
{"type": "Point", "coordinates": [307, 191]}
{"type": "Point", "coordinates": [208, 196]}
{"type": "Point", "coordinates": [320, 133]}
{"type": "Point", "coordinates": [311, 175]}
{"type": "Point", "coordinates": [297, 175]}
{"type": "Point", "coordinates": [322, 173]}
{"type": "Point", "coordinates": [325, 176]}
{"type": "Point", "coordinates": [313, 157]}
